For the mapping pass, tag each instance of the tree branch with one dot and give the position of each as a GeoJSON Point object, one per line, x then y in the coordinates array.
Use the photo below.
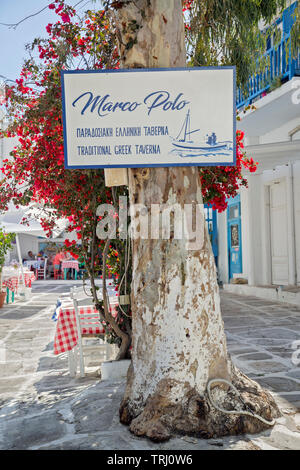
{"type": "Point", "coordinates": [15, 25]}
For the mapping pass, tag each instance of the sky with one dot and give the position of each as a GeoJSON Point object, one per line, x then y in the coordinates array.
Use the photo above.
{"type": "Point", "coordinates": [12, 41]}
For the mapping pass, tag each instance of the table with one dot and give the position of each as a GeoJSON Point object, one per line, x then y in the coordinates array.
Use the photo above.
{"type": "Point", "coordinates": [12, 283]}
{"type": "Point", "coordinates": [67, 264]}
{"type": "Point", "coordinates": [66, 336]}
{"type": "Point", "coordinates": [35, 264]}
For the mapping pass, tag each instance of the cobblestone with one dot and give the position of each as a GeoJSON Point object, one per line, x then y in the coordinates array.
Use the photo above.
{"type": "Point", "coordinates": [41, 407]}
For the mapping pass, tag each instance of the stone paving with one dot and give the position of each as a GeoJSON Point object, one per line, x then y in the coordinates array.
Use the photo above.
{"type": "Point", "coordinates": [41, 407]}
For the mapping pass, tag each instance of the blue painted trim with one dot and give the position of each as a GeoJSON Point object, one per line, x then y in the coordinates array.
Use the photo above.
{"type": "Point", "coordinates": [214, 233]}
{"type": "Point", "coordinates": [234, 201]}
{"type": "Point", "coordinates": [63, 96]}
{"type": "Point", "coordinates": [158, 69]}
{"type": "Point", "coordinates": [163, 165]}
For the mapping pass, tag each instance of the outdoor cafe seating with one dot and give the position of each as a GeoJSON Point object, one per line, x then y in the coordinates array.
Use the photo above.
{"type": "Point", "coordinates": [16, 281]}
{"type": "Point", "coordinates": [64, 268]}
{"type": "Point", "coordinates": [41, 271]}
{"type": "Point", "coordinates": [77, 324]}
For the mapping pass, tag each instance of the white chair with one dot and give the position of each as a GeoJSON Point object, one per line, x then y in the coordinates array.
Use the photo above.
{"type": "Point", "coordinates": [84, 321]}
{"type": "Point", "coordinates": [41, 273]}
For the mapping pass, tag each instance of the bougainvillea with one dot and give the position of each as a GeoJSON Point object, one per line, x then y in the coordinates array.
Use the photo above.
{"type": "Point", "coordinates": [36, 173]}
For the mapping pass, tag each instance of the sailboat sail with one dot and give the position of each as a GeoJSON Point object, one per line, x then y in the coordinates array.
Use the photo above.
{"type": "Point", "coordinates": [183, 141]}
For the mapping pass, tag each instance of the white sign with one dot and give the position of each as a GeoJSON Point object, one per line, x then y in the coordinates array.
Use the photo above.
{"type": "Point", "coordinates": [144, 118]}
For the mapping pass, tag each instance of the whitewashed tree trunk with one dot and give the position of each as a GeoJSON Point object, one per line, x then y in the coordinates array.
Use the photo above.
{"type": "Point", "coordinates": [179, 342]}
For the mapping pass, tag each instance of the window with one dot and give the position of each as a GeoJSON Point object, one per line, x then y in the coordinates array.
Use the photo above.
{"type": "Point", "coordinates": [234, 231]}
{"type": "Point", "coordinates": [234, 211]}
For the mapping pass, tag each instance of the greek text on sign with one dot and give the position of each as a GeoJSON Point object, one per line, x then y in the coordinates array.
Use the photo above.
{"type": "Point", "coordinates": [143, 118]}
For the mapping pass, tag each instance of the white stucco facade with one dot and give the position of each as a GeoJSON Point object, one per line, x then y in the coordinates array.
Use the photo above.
{"type": "Point", "coordinates": [270, 207]}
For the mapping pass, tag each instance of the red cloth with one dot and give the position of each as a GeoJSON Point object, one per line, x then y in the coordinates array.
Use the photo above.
{"type": "Point", "coordinates": [13, 282]}
{"type": "Point", "coordinates": [58, 258]}
{"type": "Point", "coordinates": [66, 336]}
{"type": "Point", "coordinates": [66, 264]}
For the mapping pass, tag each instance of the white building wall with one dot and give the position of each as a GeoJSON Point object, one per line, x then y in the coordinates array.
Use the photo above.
{"type": "Point", "coordinates": [256, 228]}
{"type": "Point", "coordinates": [8, 146]}
{"type": "Point", "coordinates": [277, 165]}
{"type": "Point", "coordinates": [244, 194]}
{"type": "Point", "coordinates": [284, 175]}
{"type": "Point", "coordinates": [296, 189]}
{"type": "Point", "coordinates": [27, 243]}
{"type": "Point", "coordinates": [281, 134]}
{"type": "Point", "coordinates": [253, 252]}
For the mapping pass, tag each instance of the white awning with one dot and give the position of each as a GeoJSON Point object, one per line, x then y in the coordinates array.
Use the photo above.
{"type": "Point", "coordinates": [11, 221]}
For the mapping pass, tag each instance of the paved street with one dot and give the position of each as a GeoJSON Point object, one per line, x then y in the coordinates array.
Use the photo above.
{"type": "Point", "coordinates": [41, 407]}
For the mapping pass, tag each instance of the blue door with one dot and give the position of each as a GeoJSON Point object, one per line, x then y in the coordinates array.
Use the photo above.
{"type": "Point", "coordinates": [235, 261]}
{"type": "Point", "coordinates": [211, 220]}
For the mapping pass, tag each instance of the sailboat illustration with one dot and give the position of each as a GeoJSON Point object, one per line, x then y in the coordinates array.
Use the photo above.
{"type": "Point", "coordinates": [183, 141]}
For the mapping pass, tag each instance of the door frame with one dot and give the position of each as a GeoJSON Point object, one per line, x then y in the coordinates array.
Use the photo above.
{"type": "Point", "coordinates": [232, 202]}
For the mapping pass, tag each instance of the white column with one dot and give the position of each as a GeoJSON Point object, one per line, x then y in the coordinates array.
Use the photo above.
{"type": "Point", "coordinates": [291, 226]}
{"type": "Point", "coordinates": [251, 227]}
{"type": "Point", "coordinates": [244, 194]}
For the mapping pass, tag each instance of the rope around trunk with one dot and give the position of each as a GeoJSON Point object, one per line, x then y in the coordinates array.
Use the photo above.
{"type": "Point", "coordinates": [240, 412]}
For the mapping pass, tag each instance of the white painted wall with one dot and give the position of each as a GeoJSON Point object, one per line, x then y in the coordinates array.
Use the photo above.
{"type": "Point", "coordinates": [244, 193]}
{"type": "Point", "coordinates": [256, 227]}
{"type": "Point", "coordinates": [6, 146]}
{"type": "Point", "coordinates": [279, 233]}
{"type": "Point", "coordinates": [31, 243]}
{"type": "Point", "coordinates": [281, 134]}
{"type": "Point", "coordinates": [276, 118]}
{"type": "Point", "coordinates": [278, 165]}
{"type": "Point", "coordinates": [27, 243]}
{"type": "Point", "coordinates": [296, 190]}
{"type": "Point", "coordinates": [283, 174]}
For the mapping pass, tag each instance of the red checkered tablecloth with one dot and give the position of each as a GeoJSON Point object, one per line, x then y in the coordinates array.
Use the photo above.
{"type": "Point", "coordinates": [66, 336]}
{"type": "Point", "coordinates": [13, 282]}
{"type": "Point", "coordinates": [28, 278]}
{"type": "Point", "coordinates": [67, 264]}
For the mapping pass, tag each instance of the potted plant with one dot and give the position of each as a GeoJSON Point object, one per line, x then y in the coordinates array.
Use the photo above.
{"type": "Point", "coordinates": [6, 240]}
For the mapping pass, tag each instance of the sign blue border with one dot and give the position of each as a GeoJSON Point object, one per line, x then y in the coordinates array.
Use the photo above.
{"type": "Point", "coordinates": [190, 69]}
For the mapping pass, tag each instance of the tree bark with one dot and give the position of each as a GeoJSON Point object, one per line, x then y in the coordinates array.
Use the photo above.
{"type": "Point", "coordinates": [179, 342]}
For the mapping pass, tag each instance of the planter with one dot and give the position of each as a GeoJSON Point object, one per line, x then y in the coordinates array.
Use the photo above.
{"type": "Point", "coordinates": [114, 370]}
{"type": "Point", "coordinates": [2, 298]}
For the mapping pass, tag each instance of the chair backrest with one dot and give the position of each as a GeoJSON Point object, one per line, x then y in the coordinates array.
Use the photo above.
{"type": "Point", "coordinates": [45, 267]}
{"type": "Point", "coordinates": [87, 320]}
{"type": "Point", "coordinates": [80, 293]}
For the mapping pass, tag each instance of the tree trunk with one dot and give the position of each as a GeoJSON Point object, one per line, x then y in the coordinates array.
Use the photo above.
{"type": "Point", "coordinates": [179, 343]}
